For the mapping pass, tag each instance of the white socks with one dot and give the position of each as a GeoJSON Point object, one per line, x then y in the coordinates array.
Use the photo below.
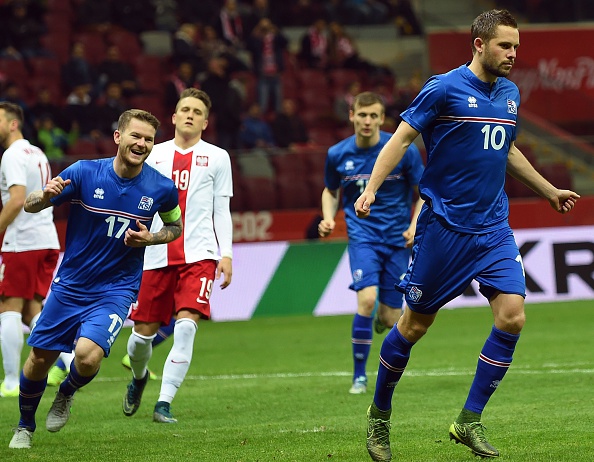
{"type": "Point", "coordinates": [12, 340]}
{"type": "Point", "coordinates": [67, 359]}
{"type": "Point", "coordinates": [179, 359]}
{"type": "Point", "coordinates": [140, 350]}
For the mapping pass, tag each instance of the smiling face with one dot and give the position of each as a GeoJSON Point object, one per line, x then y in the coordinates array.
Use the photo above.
{"type": "Point", "coordinates": [135, 143]}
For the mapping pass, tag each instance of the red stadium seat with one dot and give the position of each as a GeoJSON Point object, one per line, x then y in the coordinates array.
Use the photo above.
{"type": "Point", "coordinates": [83, 149]}
{"type": "Point", "coordinates": [312, 79]}
{"type": "Point", "coordinates": [324, 137]}
{"type": "Point", "coordinates": [293, 192]}
{"type": "Point", "coordinates": [150, 103]}
{"type": "Point", "coordinates": [48, 68]}
{"type": "Point", "coordinates": [95, 46]}
{"type": "Point", "coordinates": [259, 193]}
{"type": "Point", "coordinates": [288, 164]}
{"type": "Point", "coordinates": [340, 78]}
{"type": "Point", "coordinates": [106, 146]}
{"type": "Point", "coordinates": [14, 70]}
{"type": "Point", "coordinates": [58, 44]}
{"type": "Point", "coordinates": [558, 174]}
{"type": "Point", "coordinates": [127, 42]}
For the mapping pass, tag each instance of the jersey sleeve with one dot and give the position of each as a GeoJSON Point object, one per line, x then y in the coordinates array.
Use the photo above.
{"type": "Point", "coordinates": [331, 175]}
{"type": "Point", "coordinates": [170, 211]}
{"type": "Point", "coordinates": [14, 168]}
{"type": "Point", "coordinates": [426, 107]}
{"type": "Point", "coordinates": [74, 174]}
{"type": "Point", "coordinates": [223, 182]}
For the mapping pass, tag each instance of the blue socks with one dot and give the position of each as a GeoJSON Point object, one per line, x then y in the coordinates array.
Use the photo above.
{"type": "Point", "coordinates": [493, 363]}
{"type": "Point", "coordinates": [394, 356]}
{"type": "Point", "coordinates": [29, 399]}
{"type": "Point", "coordinates": [74, 381]}
{"type": "Point", "coordinates": [362, 334]}
{"type": "Point", "coordinates": [164, 332]}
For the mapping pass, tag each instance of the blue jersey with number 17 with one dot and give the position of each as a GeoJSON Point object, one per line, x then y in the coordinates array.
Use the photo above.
{"type": "Point", "coordinates": [102, 207]}
{"type": "Point", "coordinates": [349, 167]}
{"type": "Point", "coordinates": [468, 126]}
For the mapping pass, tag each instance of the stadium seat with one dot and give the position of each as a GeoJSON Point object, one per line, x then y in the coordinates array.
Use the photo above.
{"type": "Point", "coordinates": [293, 192]}
{"type": "Point", "coordinates": [340, 78]}
{"type": "Point", "coordinates": [48, 68]}
{"type": "Point", "coordinates": [315, 184]}
{"type": "Point", "coordinates": [147, 64]}
{"type": "Point", "coordinates": [288, 164]}
{"type": "Point", "coordinates": [558, 174]}
{"type": "Point", "coordinates": [259, 193]}
{"type": "Point", "coordinates": [14, 70]}
{"type": "Point", "coordinates": [58, 44]}
{"type": "Point", "coordinates": [83, 148]}
{"type": "Point", "coordinates": [309, 79]}
{"type": "Point", "coordinates": [95, 45]}
{"type": "Point", "coordinates": [324, 137]}
{"type": "Point", "coordinates": [37, 83]}
{"type": "Point", "coordinates": [314, 159]}
{"type": "Point", "coordinates": [106, 146]}
{"type": "Point", "coordinates": [55, 21]}
{"type": "Point", "coordinates": [150, 84]}
{"type": "Point", "coordinates": [150, 103]}
{"type": "Point", "coordinates": [127, 42]}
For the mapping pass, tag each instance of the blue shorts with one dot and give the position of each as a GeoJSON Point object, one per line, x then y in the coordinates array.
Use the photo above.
{"type": "Point", "coordinates": [100, 319]}
{"type": "Point", "coordinates": [444, 262]}
{"type": "Point", "coordinates": [379, 265]}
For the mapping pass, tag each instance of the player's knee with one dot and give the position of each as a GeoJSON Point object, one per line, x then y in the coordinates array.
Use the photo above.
{"type": "Point", "coordinates": [511, 322]}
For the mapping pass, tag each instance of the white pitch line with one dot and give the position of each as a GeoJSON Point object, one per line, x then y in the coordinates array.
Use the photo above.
{"type": "Point", "coordinates": [411, 373]}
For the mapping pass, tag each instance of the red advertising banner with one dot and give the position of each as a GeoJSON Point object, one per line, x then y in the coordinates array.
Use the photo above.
{"type": "Point", "coordinates": [554, 68]}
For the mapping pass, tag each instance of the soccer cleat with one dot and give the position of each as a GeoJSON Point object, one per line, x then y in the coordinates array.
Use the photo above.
{"type": "Point", "coordinates": [126, 364]}
{"type": "Point", "coordinates": [162, 413]}
{"type": "Point", "coordinates": [56, 376]}
{"type": "Point", "coordinates": [473, 435]}
{"type": "Point", "coordinates": [133, 395]}
{"type": "Point", "coordinates": [378, 326]}
{"type": "Point", "coordinates": [378, 435]}
{"type": "Point", "coordinates": [59, 413]}
{"type": "Point", "coordinates": [6, 393]}
{"type": "Point", "coordinates": [21, 439]}
{"type": "Point", "coordinates": [359, 386]}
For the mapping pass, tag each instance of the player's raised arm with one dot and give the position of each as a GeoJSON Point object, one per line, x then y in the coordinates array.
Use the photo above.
{"type": "Point", "coordinates": [38, 200]}
{"type": "Point", "coordinates": [387, 160]}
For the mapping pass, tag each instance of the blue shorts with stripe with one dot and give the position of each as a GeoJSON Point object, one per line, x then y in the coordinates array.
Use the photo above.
{"type": "Point", "coordinates": [444, 262]}
{"type": "Point", "coordinates": [379, 265]}
{"type": "Point", "coordinates": [99, 317]}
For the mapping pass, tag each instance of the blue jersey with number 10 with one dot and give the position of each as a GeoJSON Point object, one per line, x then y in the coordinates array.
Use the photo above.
{"type": "Point", "coordinates": [349, 167]}
{"type": "Point", "coordinates": [468, 126]}
{"type": "Point", "coordinates": [102, 207]}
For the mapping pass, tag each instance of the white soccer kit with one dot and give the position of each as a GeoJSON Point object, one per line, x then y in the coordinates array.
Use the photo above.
{"type": "Point", "coordinates": [26, 165]}
{"type": "Point", "coordinates": [201, 173]}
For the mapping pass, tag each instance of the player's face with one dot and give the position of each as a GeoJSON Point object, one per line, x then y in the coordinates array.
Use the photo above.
{"type": "Point", "coordinates": [135, 142]}
{"type": "Point", "coordinates": [500, 52]}
{"type": "Point", "coordinates": [367, 120]}
{"type": "Point", "coordinates": [190, 117]}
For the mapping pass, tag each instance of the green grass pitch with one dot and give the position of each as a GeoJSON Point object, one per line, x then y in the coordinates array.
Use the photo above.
{"type": "Point", "coordinates": [275, 389]}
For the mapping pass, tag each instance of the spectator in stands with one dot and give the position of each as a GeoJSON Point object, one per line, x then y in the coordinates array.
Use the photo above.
{"type": "Point", "coordinates": [314, 45]}
{"type": "Point", "coordinates": [114, 69]}
{"type": "Point", "coordinates": [288, 128]}
{"type": "Point", "coordinates": [230, 24]}
{"type": "Point", "coordinates": [255, 130]}
{"type": "Point", "coordinates": [165, 14]}
{"type": "Point", "coordinates": [203, 11]}
{"type": "Point", "coordinates": [343, 53]}
{"type": "Point", "coordinates": [184, 77]}
{"type": "Point", "coordinates": [343, 103]}
{"type": "Point", "coordinates": [226, 103]}
{"type": "Point", "coordinates": [45, 105]}
{"type": "Point", "coordinates": [185, 46]}
{"type": "Point", "coordinates": [23, 33]}
{"type": "Point", "coordinates": [53, 140]}
{"type": "Point", "coordinates": [212, 46]}
{"type": "Point", "coordinates": [404, 17]}
{"type": "Point", "coordinates": [81, 112]}
{"type": "Point", "coordinates": [365, 11]}
{"type": "Point", "coordinates": [93, 16]}
{"type": "Point", "coordinates": [110, 107]}
{"type": "Point", "coordinates": [133, 15]}
{"type": "Point", "coordinates": [77, 70]}
{"type": "Point", "coordinates": [267, 46]}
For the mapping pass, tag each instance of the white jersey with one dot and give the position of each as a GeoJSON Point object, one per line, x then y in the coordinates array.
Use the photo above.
{"type": "Point", "coordinates": [26, 165]}
{"type": "Point", "coordinates": [200, 173]}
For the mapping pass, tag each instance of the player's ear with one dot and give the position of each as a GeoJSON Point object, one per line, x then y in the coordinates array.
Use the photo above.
{"type": "Point", "coordinates": [117, 137]}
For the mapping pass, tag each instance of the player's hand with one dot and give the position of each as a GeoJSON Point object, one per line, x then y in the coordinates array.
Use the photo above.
{"type": "Point", "coordinates": [325, 227]}
{"type": "Point", "coordinates": [225, 267]}
{"type": "Point", "coordinates": [363, 204]}
{"type": "Point", "coordinates": [564, 201]}
{"type": "Point", "coordinates": [54, 187]}
{"type": "Point", "coordinates": [409, 238]}
{"type": "Point", "coordinates": [140, 238]}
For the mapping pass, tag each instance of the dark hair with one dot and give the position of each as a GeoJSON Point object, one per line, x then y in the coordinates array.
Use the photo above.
{"type": "Point", "coordinates": [139, 114]}
{"type": "Point", "coordinates": [485, 25]}
{"type": "Point", "coordinates": [13, 112]}
{"type": "Point", "coordinates": [195, 93]}
{"type": "Point", "coordinates": [367, 98]}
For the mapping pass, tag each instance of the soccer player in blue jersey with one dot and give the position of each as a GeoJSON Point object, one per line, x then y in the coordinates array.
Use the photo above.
{"type": "Point", "coordinates": [379, 248]}
{"type": "Point", "coordinates": [112, 205]}
{"type": "Point", "coordinates": [468, 120]}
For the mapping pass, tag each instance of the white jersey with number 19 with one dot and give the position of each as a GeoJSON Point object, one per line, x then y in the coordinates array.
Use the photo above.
{"type": "Point", "coordinates": [200, 173]}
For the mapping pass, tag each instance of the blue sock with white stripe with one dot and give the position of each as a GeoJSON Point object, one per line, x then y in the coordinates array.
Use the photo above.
{"type": "Point", "coordinates": [493, 363]}
{"type": "Point", "coordinates": [362, 334]}
{"type": "Point", "coordinates": [164, 332]}
{"type": "Point", "coordinates": [394, 356]}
